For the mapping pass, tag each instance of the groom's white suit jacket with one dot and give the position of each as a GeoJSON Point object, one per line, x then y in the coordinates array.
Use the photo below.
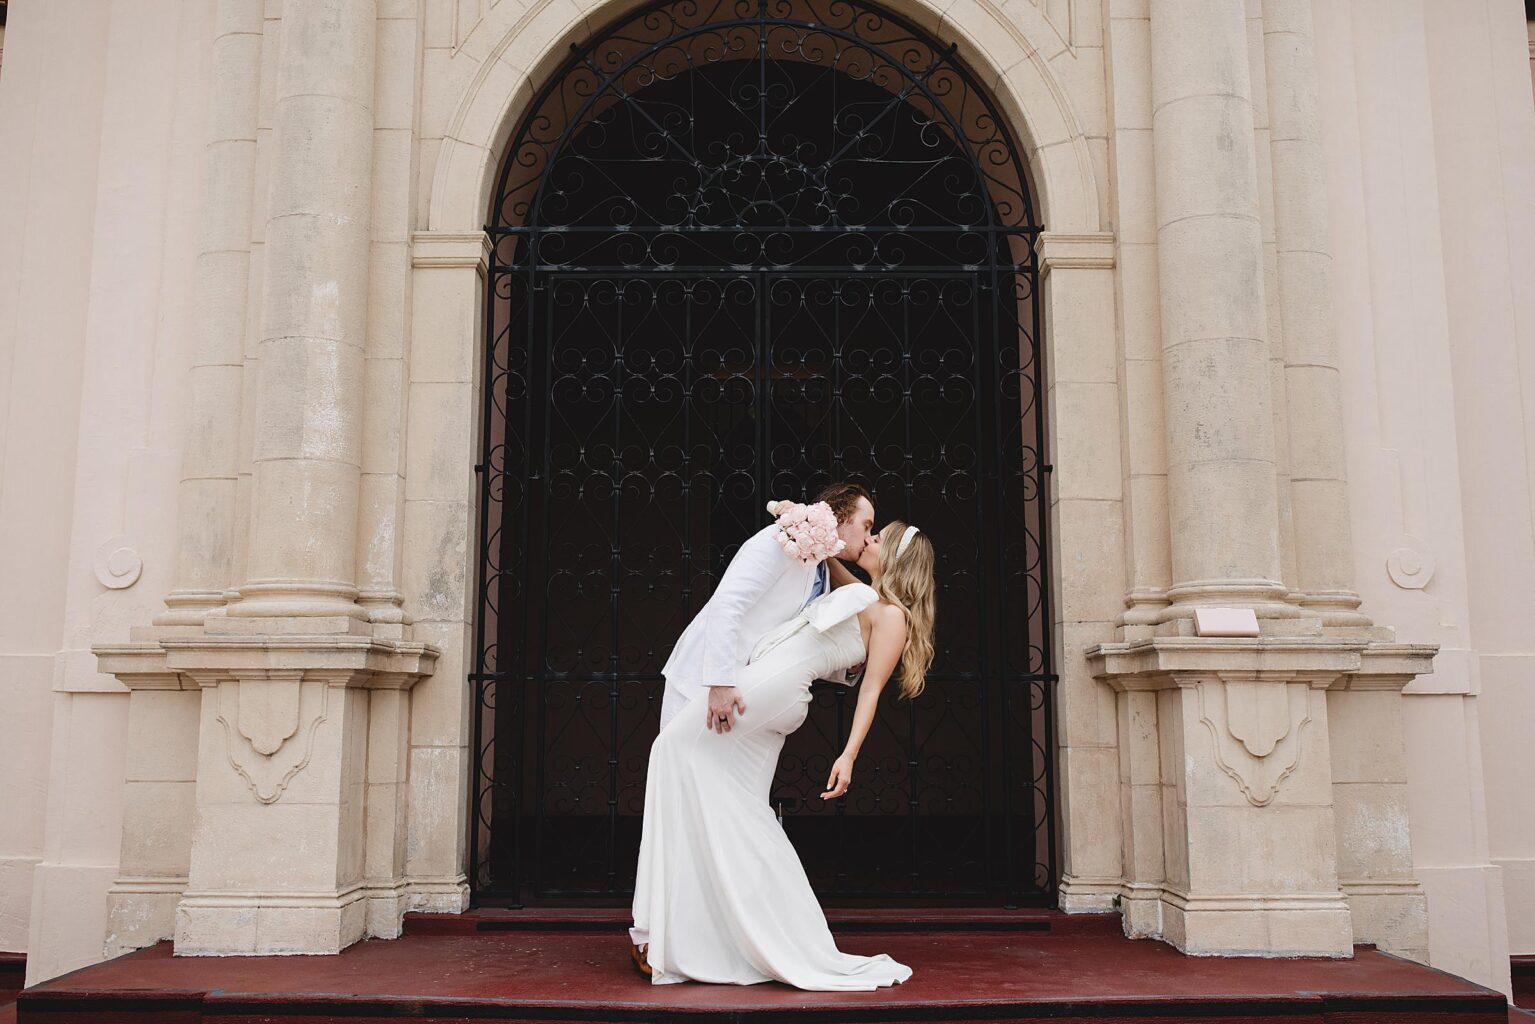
{"type": "Point", "coordinates": [762, 588]}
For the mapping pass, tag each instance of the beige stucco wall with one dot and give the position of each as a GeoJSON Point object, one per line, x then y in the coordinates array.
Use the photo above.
{"type": "Point", "coordinates": [1430, 139]}
{"type": "Point", "coordinates": [1429, 178]}
{"type": "Point", "coordinates": [101, 164]}
{"type": "Point", "coordinates": [1487, 209]}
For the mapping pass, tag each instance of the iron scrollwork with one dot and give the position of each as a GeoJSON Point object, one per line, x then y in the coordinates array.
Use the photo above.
{"type": "Point", "coordinates": [741, 248]}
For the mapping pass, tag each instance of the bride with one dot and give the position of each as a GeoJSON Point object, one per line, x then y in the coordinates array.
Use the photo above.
{"type": "Point", "coordinates": [720, 892]}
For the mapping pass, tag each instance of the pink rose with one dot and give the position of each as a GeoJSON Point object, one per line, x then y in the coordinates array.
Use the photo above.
{"type": "Point", "coordinates": [806, 532]}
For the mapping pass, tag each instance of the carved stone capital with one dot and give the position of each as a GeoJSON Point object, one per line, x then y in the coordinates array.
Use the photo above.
{"type": "Point", "coordinates": [450, 249]}
{"type": "Point", "coordinates": [1074, 251]}
{"type": "Point", "coordinates": [1253, 695]}
{"type": "Point", "coordinates": [269, 693]}
{"type": "Point", "coordinates": [1389, 666]}
{"type": "Point", "coordinates": [140, 666]}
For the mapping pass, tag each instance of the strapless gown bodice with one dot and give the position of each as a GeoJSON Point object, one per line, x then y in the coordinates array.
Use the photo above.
{"type": "Point", "coordinates": [827, 628]}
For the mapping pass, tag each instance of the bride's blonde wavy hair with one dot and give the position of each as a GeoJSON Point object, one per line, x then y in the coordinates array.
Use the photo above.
{"type": "Point", "coordinates": [906, 580]}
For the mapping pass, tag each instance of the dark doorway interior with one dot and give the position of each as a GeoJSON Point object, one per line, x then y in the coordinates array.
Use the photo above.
{"type": "Point", "coordinates": [732, 282]}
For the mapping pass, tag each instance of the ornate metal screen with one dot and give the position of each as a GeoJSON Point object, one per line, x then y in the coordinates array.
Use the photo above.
{"type": "Point", "coordinates": [742, 248]}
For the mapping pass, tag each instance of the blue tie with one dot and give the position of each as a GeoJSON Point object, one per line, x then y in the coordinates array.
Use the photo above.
{"type": "Point", "coordinates": [820, 582]}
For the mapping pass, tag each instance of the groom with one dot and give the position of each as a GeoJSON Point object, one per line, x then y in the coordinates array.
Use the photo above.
{"type": "Point", "coordinates": [762, 588]}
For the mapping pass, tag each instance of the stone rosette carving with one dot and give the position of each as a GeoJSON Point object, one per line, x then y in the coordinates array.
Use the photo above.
{"type": "Point", "coordinates": [1410, 566]}
{"type": "Point", "coordinates": [117, 564]}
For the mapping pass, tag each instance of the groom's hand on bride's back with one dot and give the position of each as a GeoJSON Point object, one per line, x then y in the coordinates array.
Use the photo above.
{"type": "Point", "coordinates": [724, 703]}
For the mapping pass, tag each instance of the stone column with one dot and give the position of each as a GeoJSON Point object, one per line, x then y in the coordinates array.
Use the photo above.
{"type": "Point", "coordinates": [1227, 782]}
{"type": "Point", "coordinates": [297, 838]}
{"type": "Point", "coordinates": [206, 496]}
{"type": "Point", "coordinates": [1142, 794]}
{"type": "Point", "coordinates": [308, 430]}
{"type": "Point", "coordinates": [297, 834]}
{"type": "Point", "coordinates": [1386, 902]}
{"type": "Point", "coordinates": [159, 797]}
{"type": "Point", "coordinates": [1226, 775]}
{"type": "Point", "coordinates": [1318, 483]}
{"type": "Point", "coordinates": [1375, 870]}
{"type": "Point", "coordinates": [448, 286]}
{"type": "Point", "coordinates": [1148, 567]}
{"type": "Point", "coordinates": [384, 380]}
{"type": "Point", "coordinates": [1222, 498]}
{"type": "Point", "coordinates": [1083, 400]}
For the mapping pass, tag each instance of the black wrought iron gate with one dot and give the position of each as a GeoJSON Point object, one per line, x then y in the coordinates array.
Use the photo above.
{"type": "Point", "coordinates": [741, 249]}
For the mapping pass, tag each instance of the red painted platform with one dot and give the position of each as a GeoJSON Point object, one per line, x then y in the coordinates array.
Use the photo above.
{"type": "Point", "coordinates": [13, 969]}
{"type": "Point", "coordinates": [1521, 971]}
{"type": "Point", "coordinates": [521, 969]}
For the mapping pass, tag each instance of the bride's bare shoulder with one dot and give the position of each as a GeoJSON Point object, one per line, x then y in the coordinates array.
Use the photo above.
{"type": "Point", "coordinates": [883, 613]}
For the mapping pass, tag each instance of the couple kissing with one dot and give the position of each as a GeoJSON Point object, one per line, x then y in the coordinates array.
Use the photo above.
{"type": "Point", "coordinates": [720, 893]}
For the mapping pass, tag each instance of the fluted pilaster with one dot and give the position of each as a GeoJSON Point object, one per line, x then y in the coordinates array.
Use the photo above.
{"type": "Point", "coordinates": [1220, 431]}
{"type": "Point", "coordinates": [308, 430]}
{"type": "Point", "coordinates": [206, 494]}
{"type": "Point", "coordinates": [1318, 480]}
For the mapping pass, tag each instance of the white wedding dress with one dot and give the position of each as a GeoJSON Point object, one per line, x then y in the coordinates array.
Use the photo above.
{"type": "Point", "coordinates": [720, 893]}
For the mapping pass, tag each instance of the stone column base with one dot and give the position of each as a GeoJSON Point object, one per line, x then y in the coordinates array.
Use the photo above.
{"type": "Point", "coordinates": [1236, 829]}
{"type": "Point", "coordinates": [1078, 895]}
{"type": "Point", "coordinates": [229, 924]}
{"type": "Point", "coordinates": [385, 909]}
{"type": "Point", "coordinates": [299, 743]}
{"type": "Point", "coordinates": [1141, 905]}
{"type": "Point", "coordinates": [141, 912]}
{"type": "Point", "coordinates": [437, 895]}
{"type": "Point", "coordinates": [1393, 915]}
{"type": "Point", "coordinates": [1257, 925]}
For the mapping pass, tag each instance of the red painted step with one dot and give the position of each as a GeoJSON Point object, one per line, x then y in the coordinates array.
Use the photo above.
{"type": "Point", "coordinates": [960, 977]}
{"type": "Point", "coordinates": [1522, 971]}
{"type": "Point", "coordinates": [13, 973]}
{"type": "Point", "coordinates": [852, 919]}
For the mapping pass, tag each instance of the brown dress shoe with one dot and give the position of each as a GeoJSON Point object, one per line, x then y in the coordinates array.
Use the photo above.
{"type": "Point", "coordinates": [641, 964]}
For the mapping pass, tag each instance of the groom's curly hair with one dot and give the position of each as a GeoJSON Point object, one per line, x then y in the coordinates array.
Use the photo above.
{"type": "Point", "coordinates": [843, 498]}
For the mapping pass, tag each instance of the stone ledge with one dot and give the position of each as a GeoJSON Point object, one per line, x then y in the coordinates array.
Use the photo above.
{"type": "Point", "coordinates": [450, 249]}
{"type": "Point", "coordinates": [1074, 251]}
{"type": "Point", "coordinates": [1158, 663]}
{"type": "Point", "coordinates": [185, 662]}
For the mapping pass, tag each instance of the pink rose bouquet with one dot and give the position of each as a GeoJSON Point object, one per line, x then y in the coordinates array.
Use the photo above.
{"type": "Point", "coordinates": [806, 532]}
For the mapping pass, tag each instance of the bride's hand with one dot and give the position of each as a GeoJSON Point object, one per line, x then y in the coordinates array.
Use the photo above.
{"type": "Point", "coordinates": [841, 777]}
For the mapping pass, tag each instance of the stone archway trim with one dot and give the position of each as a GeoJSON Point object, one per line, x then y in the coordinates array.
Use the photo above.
{"type": "Point", "coordinates": [514, 50]}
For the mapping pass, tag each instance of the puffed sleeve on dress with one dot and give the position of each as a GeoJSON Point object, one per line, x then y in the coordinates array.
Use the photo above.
{"type": "Point", "coordinates": [821, 614]}
{"type": "Point", "coordinates": [844, 602]}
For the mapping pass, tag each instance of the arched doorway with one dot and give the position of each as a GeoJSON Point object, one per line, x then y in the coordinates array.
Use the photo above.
{"type": "Point", "coordinates": [737, 251]}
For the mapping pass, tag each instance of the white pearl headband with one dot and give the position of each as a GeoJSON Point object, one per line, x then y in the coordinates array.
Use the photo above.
{"type": "Point", "coordinates": [911, 531]}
